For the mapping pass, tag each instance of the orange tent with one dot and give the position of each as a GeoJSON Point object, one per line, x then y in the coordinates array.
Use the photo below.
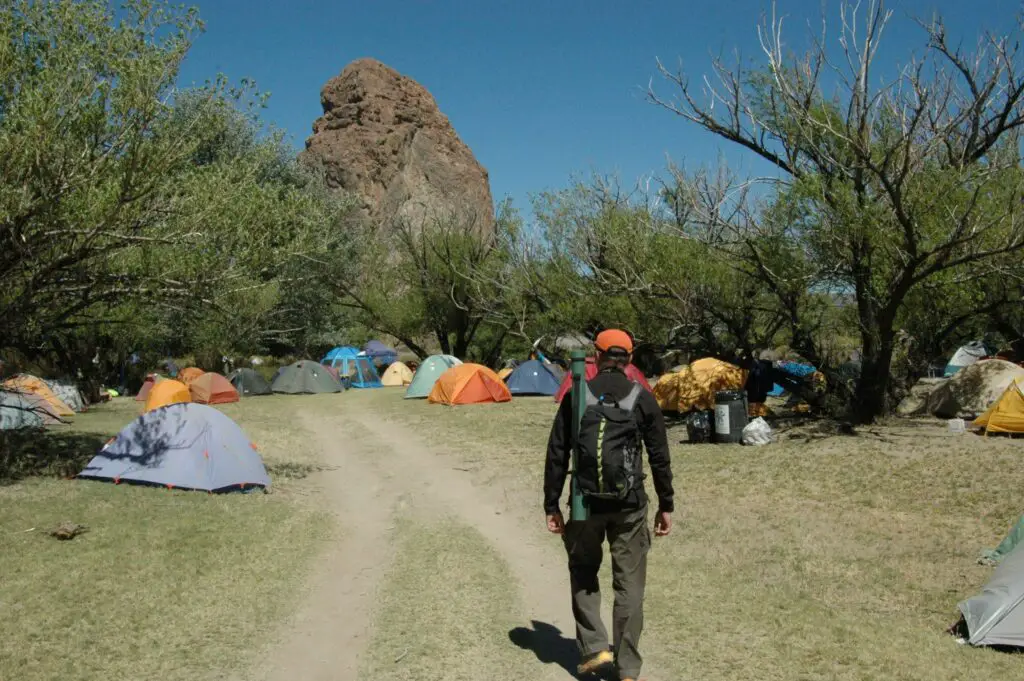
{"type": "Point", "coordinates": [212, 388]}
{"type": "Point", "coordinates": [165, 393]}
{"type": "Point", "coordinates": [469, 384]}
{"type": "Point", "coordinates": [37, 390]}
{"type": "Point", "coordinates": [190, 374]}
{"type": "Point", "coordinates": [147, 385]}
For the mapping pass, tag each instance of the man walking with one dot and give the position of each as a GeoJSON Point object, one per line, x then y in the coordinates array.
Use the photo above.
{"type": "Point", "coordinates": [620, 415]}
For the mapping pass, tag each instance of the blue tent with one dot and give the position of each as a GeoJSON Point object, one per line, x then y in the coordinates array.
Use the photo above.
{"type": "Point", "coordinates": [350, 362]}
{"type": "Point", "coordinates": [380, 354]}
{"type": "Point", "coordinates": [334, 357]}
{"type": "Point", "coordinates": [535, 378]}
{"type": "Point", "coordinates": [189, 445]}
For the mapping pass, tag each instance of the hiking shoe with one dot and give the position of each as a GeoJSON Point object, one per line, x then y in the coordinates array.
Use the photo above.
{"type": "Point", "coordinates": [595, 663]}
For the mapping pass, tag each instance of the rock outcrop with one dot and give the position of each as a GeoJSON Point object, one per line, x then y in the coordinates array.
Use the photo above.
{"type": "Point", "coordinates": [383, 138]}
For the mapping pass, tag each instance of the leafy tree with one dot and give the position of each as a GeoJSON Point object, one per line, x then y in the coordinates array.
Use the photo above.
{"type": "Point", "coordinates": [897, 183]}
{"type": "Point", "coordinates": [136, 215]}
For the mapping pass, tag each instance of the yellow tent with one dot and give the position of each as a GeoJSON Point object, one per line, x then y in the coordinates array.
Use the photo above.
{"type": "Point", "coordinates": [1007, 414]}
{"type": "Point", "coordinates": [505, 373]}
{"type": "Point", "coordinates": [694, 387]}
{"type": "Point", "coordinates": [397, 375]}
{"type": "Point", "coordinates": [165, 393]}
{"type": "Point", "coordinates": [32, 387]}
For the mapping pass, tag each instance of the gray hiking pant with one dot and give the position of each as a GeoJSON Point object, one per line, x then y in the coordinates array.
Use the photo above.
{"type": "Point", "coordinates": [629, 540]}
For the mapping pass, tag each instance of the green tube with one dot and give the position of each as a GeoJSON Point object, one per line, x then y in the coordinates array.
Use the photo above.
{"type": "Point", "coordinates": [578, 507]}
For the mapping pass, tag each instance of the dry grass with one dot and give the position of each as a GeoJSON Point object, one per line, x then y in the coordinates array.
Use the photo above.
{"type": "Point", "coordinates": [814, 558]}
{"type": "Point", "coordinates": [169, 585]}
{"type": "Point", "coordinates": [445, 610]}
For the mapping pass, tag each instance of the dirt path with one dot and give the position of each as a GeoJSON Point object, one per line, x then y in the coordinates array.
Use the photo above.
{"type": "Point", "coordinates": [325, 639]}
{"type": "Point", "coordinates": [378, 469]}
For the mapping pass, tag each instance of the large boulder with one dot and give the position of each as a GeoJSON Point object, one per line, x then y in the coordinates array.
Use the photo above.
{"type": "Point", "coordinates": [916, 401]}
{"type": "Point", "coordinates": [383, 138]}
{"type": "Point", "coordinates": [973, 389]}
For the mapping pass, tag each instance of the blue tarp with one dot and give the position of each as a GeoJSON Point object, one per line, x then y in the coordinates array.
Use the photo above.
{"type": "Point", "coordinates": [534, 378]}
{"type": "Point", "coordinates": [793, 369]}
{"type": "Point", "coordinates": [189, 446]}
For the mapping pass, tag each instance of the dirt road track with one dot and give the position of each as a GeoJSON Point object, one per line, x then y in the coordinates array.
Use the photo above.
{"type": "Point", "coordinates": [377, 471]}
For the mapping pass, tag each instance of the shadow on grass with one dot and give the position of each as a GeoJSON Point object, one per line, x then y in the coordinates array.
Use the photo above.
{"type": "Point", "coordinates": [547, 643]}
{"type": "Point", "coordinates": [26, 453]}
{"type": "Point", "coordinates": [292, 470]}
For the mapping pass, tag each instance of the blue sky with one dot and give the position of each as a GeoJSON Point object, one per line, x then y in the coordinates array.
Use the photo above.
{"type": "Point", "coordinates": [541, 91]}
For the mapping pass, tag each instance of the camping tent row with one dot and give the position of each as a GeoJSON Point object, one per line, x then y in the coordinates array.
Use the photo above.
{"type": "Point", "coordinates": [210, 388]}
{"type": "Point", "coordinates": [30, 402]}
{"type": "Point", "coordinates": [444, 379]}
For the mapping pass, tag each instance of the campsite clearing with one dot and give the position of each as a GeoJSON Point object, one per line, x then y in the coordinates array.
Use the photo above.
{"type": "Point", "coordinates": [165, 584]}
{"type": "Point", "coordinates": [405, 540]}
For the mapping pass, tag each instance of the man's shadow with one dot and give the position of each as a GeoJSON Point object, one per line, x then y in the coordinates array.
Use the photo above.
{"type": "Point", "coordinates": [547, 643]}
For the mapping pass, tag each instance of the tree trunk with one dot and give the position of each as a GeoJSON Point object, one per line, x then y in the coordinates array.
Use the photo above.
{"type": "Point", "coordinates": [871, 396]}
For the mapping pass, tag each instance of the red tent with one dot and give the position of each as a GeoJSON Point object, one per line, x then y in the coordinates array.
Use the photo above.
{"type": "Point", "coordinates": [632, 373]}
{"type": "Point", "coordinates": [147, 385]}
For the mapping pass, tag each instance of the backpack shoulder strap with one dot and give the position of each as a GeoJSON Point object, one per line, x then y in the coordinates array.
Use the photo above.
{"type": "Point", "coordinates": [629, 403]}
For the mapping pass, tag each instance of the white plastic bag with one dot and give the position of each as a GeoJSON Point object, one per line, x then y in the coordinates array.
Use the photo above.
{"type": "Point", "coordinates": [757, 432]}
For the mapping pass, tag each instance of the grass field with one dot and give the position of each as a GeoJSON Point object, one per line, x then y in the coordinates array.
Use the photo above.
{"type": "Point", "coordinates": [168, 585]}
{"type": "Point", "coordinates": [445, 610]}
{"type": "Point", "coordinates": [816, 557]}
{"type": "Point", "coordinates": [813, 558]}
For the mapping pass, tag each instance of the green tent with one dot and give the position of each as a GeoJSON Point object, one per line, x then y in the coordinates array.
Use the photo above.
{"type": "Point", "coordinates": [305, 377]}
{"type": "Point", "coordinates": [248, 382]}
{"type": "Point", "coordinates": [428, 373]}
{"type": "Point", "coordinates": [993, 556]}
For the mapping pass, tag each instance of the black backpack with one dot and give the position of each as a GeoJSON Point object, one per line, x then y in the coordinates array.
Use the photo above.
{"type": "Point", "coordinates": [608, 456]}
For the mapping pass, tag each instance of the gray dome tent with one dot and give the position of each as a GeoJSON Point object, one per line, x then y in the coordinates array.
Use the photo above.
{"type": "Point", "coordinates": [996, 616]}
{"type": "Point", "coordinates": [186, 445]}
{"type": "Point", "coordinates": [306, 377]}
{"type": "Point", "coordinates": [248, 382]}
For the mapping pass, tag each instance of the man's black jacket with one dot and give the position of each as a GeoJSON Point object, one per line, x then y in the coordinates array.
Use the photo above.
{"type": "Point", "coordinates": [614, 383]}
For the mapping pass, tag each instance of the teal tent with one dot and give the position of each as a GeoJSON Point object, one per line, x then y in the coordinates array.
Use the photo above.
{"type": "Point", "coordinates": [993, 556]}
{"type": "Point", "coordinates": [428, 373]}
{"type": "Point", "coordinates": [356, 365]}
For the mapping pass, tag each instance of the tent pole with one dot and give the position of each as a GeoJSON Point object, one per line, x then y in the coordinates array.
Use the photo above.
{"type": "Point", "coordinates": [578, 506]}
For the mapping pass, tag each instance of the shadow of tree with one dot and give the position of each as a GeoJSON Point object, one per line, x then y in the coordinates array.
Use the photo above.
{"type": "Point", "coordinates": [31, 452]}
{"type": "Point", "coordinates": [292, 470]}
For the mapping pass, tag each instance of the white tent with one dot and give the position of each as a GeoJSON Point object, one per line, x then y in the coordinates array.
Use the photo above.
{"type": "Point", "coordinates": [965, 356]}
{"type": "Point", "coordinates": [68, 392]}
{"type": "Point", "coordinates": [16, 411]}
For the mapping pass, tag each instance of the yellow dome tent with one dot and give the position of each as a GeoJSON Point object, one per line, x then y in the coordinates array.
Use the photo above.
{"type": "Point", "coordinates": [694, 387]}
{"type": "Point", "coordinates": [505, 373]}
{"type": "Point", "coordinates": [1006, 415]}
{"type": "Point", "coordinates": [37, 391]}
{"type": "Point", "coordinates": [398, 375]}
{"type": "Point", "coordinates": [165, 393]}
